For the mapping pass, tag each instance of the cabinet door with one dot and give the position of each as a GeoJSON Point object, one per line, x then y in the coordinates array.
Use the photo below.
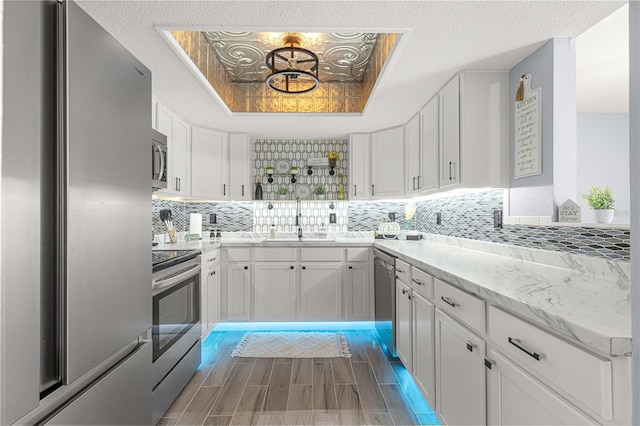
{"type": "Point", "coordinates": [412, 156]}
{"type": "Point", "coordinates": [204, 302]}
{"type": "Point", "coordinates": [424, 365]}
{"type": "Point", "coordinates": [213, 297]}
{"type": "Point", "coordinates": [274, 292]}
{"type": "Point", "coordinates": [240, 187]}
{"type": "Point", "coordinates": [177, 133]}
{"type": "Point", "coordinates": [358, 292]}
{"type": "Point", "coordinates": [238, 292]}
{"type": "Point", "coordinates": [516, 398]}
{"type": "Point", "coordinates": [387, 163]}
{"type": "Point", "coordinates": [209, 167]}
{"type": "Point", "coordinates": [450, 133]}
{"type": "Point", "coordinates": [429, 141]}
{"type": "Point", "coordinates": [321, 291]}
{"type": "Point", "coordinates": [460, 373]}
{"type": "Point", "coordinates": [359, 167]}
{"type": "Point", "coordinates": [404, 328]}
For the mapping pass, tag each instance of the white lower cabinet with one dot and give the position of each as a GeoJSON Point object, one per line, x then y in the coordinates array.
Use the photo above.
{"type": "Point", "coordinates": [357, 295]}
{"type": "Point", "coordinates": [209, 291]}
{"type": "Point", "coordinates": [517, 398]}
{"type": "Point", "coordinates": [321, 291]}
{"type": "Point", "coordinates": [424, 365]}
{"type": "Point", "coordinates": [460, 373]}
{"type": "Point", "coordinates": [274, 288]}
{"type": "Point", "coordinates": [404, 326]}
{"type": "Point", "coordinates": [238, 292]}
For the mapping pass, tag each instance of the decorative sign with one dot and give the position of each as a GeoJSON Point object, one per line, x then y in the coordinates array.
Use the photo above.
{"type": "Point", "coordinates": [569, 211]}
{"type": "Point", "coordinates": [318, 162]}
{"type": "Point", "coordinates": [527, 129]}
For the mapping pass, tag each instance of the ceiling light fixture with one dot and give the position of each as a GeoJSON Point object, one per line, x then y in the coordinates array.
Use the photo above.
{"type": "Point", "coordinates": [294, 70]}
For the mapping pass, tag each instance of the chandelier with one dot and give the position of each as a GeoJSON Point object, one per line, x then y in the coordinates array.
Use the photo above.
{"type": "Point", "coordinates": [294, 70]}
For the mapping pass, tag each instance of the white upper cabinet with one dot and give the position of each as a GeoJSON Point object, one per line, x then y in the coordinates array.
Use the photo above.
{"type": "Point", "coordinates": [387, 158]}
{"type": "Point", "coordinates": [429, 142]}
{"type": "Point", "coordinates": [412, 156]}
{"type": "Point", "coordinates": [179, 150]}
{"type": "Point", "coordinates": [209, 165]}
{"type": "Point", "coordinates": [240, 187]}
{"type": "Point", "coordinates": [359, 167]}
{"type": "Point", "coordinates": [450, 133]}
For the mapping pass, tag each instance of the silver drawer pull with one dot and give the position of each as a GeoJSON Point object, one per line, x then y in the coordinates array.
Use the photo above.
{"type": "Point", "coordinates": [417, 282]}
{"type": "Point", "coordinates": [211, 260]}
{"type": "Point", "coordinates": [470, 346]}
{"type": "Point", "coordinates": [449, 302]}
{"type": "Point", "coordinates": [399, 270]}
{"type": "Point", "coordinates": [518, 344]}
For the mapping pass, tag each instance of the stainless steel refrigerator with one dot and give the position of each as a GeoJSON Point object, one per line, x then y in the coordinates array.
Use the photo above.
{"type": "Point", "coordinates": [76, 221]}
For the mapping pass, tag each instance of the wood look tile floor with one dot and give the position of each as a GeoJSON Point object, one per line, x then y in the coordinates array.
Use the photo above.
{"type": "Point", "coordinates": [366, 389]}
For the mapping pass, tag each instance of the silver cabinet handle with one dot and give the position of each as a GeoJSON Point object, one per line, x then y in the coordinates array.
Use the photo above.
{"type": "Point", "coordinates": [373, 192]}
{"type": "Point", "coordinates": [470, 346]}
{"type": "Point", "coordinates": [418, 177]}
{"type": "Point", "coordinates": [224, 189]}
{"type": "Point", "coordinates": [417, 282]}
{"type": "Point", "coordinates": [404, 291]}
{"type": "Point", "coordinates": [449, 302]}
{"type": "Point", "coordinates": [400, 270]}
{"type": "Point", "coordinates": [518, 344]}
{"type": "Point", "coordinates": [450, 170]}
{"type": "Point", "coordinates": [243, 190]}
{"type": "Point", "coordinates": [211, 260]}
{"type": "Point", "coordinates": [454, 169]}
{"type": "Point", "coordinates": [414, 183]}
{"type": "Point", "coordinates": [355, 190]}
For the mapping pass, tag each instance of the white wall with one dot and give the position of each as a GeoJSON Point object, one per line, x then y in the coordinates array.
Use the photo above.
{"type": "Point", "coordinates": [603, 160]}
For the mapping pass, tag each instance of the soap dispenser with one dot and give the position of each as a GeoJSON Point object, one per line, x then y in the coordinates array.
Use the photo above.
{"type": "Point", "coordinates": [273, 231]}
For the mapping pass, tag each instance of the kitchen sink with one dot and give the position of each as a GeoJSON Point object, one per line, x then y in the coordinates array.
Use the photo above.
{"type": "Point", "coordinates": [300, 240]}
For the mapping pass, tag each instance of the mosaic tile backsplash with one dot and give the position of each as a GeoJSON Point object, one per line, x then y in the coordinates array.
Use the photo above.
{"type": "Point", "coordinates": [465, 216]}
{"type": "Point", "coordinates": [268, 151]}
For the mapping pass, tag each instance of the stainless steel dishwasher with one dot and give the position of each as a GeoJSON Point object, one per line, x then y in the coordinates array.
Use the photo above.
{"type": "Point", "coordinates": [385, 298]}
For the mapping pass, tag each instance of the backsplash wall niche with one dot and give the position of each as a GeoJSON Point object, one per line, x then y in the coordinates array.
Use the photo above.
{"type": "Point", "coordinates": [296, 151]}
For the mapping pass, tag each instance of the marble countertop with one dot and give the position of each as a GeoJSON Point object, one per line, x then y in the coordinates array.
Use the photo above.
{"type": "Point", "coordinates": [581, 298]}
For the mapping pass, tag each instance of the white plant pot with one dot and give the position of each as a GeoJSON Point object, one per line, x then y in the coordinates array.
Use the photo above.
{"type": "Point", "coordinates": [604, 216]}
{"type": "Point", "coordinates": [283, 197]}
{"type": "Point", "coordinates": [320, 196]}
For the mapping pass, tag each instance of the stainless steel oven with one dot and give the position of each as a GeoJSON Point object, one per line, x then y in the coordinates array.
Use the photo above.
{"type": "Point", "coordinates": [159, 156]}
{"type": "Point", "coordinates": [176, 325]}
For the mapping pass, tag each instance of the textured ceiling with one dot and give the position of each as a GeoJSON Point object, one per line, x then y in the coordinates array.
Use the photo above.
{"type": "Point", "coordinates": [341, 56]}
{"type": "Point", "coordinates": [438, 38]}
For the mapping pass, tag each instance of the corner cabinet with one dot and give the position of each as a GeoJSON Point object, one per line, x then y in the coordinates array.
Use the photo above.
{"type": "Point", "coordinates": [412, 166]}
{"type": "Point", "coordinates": [429, 141]}
{"type": "Point", "coordinates": [450, 133]}
{"type": "Point", "coordinates": [179, 150]}
{"type": "Point", "coordinates": [387, 159]}
{"type": "Point", "coordinates": [209, 165]}
{"type": "Point", "coordinates": [359, 166]}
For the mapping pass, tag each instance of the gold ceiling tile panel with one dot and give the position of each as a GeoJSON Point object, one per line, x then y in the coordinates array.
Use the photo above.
{"type": "Point", "coordinates": [233, 63]}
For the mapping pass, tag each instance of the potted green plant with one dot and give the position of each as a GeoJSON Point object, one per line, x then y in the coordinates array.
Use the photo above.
{"type": "Point", "coordinates": [282, 192]}
{"type": "Point", "coordinates": [320, 191]}
{"type": "Point", "coordinates": [601, 202]}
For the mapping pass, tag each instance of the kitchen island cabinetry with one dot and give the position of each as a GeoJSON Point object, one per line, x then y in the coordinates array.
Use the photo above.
{"type": "Point", "coordinates": [178, 148]}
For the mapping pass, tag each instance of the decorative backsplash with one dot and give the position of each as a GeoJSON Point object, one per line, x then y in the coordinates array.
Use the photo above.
{"type": "Point", "coordinates": [314, 213]}
{"type": "Point", "coordinates": [267, 152]}
{"type": "Point", "coordinates": [465, 216]}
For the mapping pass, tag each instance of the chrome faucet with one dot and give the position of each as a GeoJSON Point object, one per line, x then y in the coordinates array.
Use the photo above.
{"type": "Point", "coordinates": [299, 218]}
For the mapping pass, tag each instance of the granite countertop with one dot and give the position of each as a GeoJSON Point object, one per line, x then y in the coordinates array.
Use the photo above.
{"type": "Point", "coordinates": [582, 298]}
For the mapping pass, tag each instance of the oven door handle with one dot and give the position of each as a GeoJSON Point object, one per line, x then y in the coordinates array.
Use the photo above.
{"type": "Point", "coordinates": [172, 280]}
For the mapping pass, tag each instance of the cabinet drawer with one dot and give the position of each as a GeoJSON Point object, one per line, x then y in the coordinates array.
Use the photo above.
{"type": "Point", "coordinates": [464, 306]}
{"type": "Point", "coordinates": [403, 271]}
{"type": "Point", "coordinates": [422, 283]}
{"type": "Point", "coordinates": [321, 254]}
{"type": "Point", "coordinates": [585, 377]}
{"type": "Point", "coordinates": [279, 254]}
{"type": "Point", "coordinates": [210, 259]}
{"type": "Point", "coordinates": [358, 254]}
{"type": "Point", "coordinates": [238, 254]}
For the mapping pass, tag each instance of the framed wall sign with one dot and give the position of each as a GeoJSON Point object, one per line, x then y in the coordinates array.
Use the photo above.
{"type": "Point", "coordinates": [527, 129]}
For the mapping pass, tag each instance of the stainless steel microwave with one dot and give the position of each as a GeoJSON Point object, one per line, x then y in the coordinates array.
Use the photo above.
{"type": "Point", "coordinates": [159, 155]}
